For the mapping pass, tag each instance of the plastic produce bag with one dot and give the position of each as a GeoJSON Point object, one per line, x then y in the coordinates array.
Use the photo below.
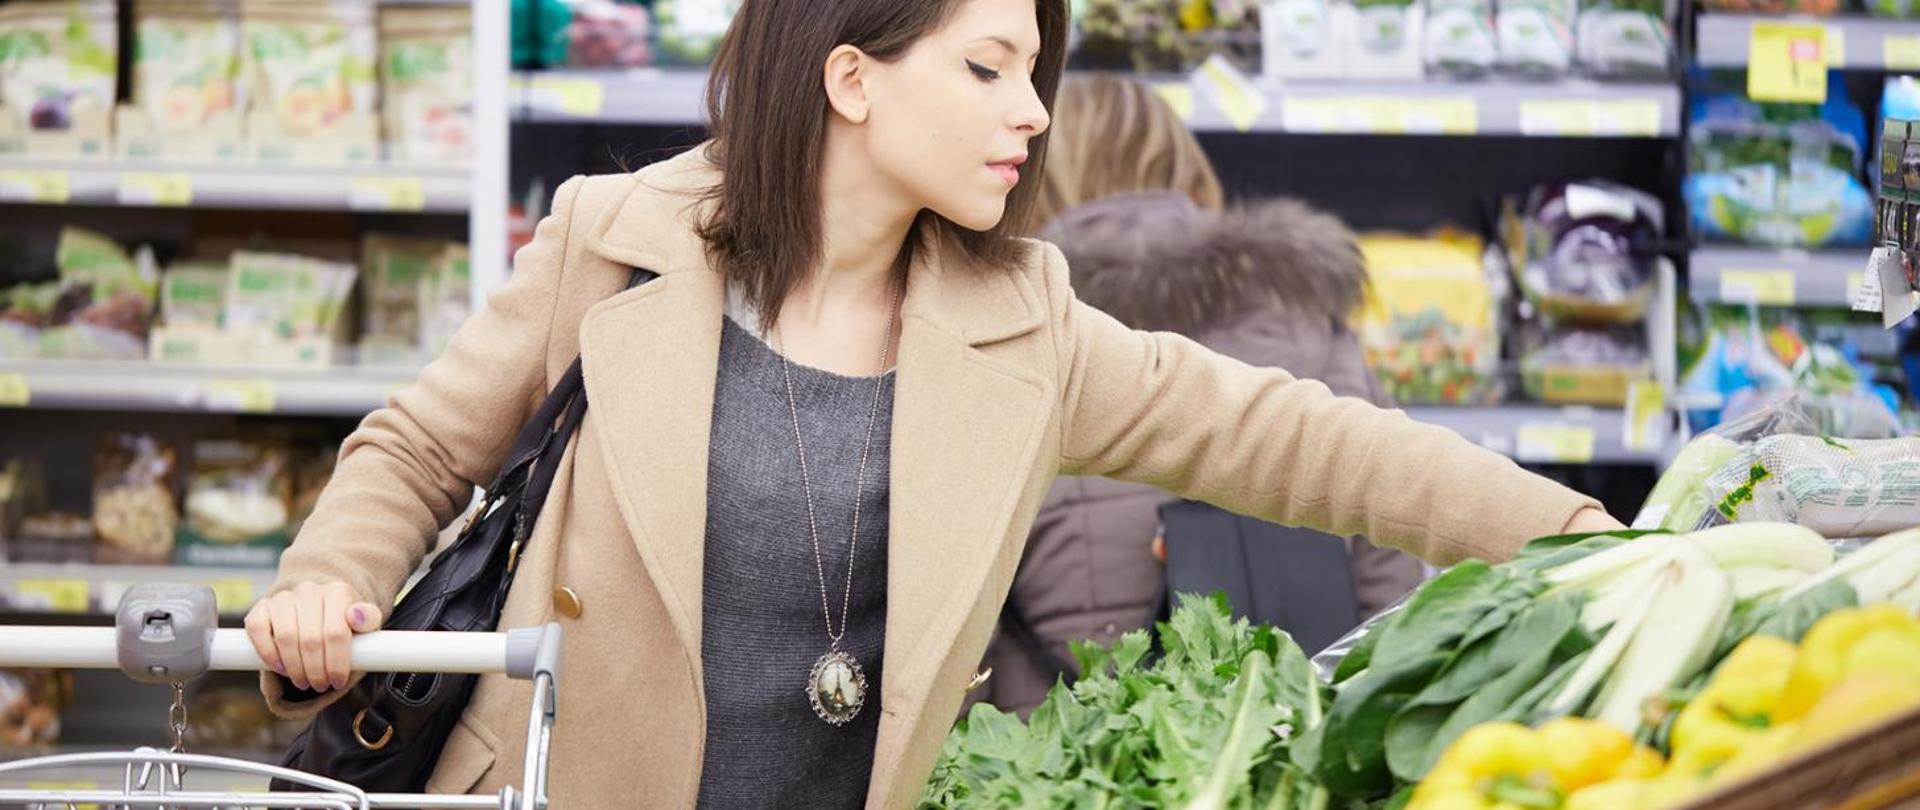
{"type": "Point", "coordinates": [1429, 328]}
{"type": "Point", "coordinates": [1536, 37]}
{"type": "Point", "coordinates": [1786, 175]}
{"type": "Point", "coordinates": [1459, 37]}
{"type": "Point", "coordinates": [1626, 39]}
{"type": "Point", "coordinates": [1837, 487]}
{"type": "Point", "coordinates": [1585, 252]}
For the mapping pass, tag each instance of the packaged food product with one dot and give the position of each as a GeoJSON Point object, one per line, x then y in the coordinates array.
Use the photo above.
{"type": "Point", "coordinates": [31, 702]}
{"type": "Point", "coordinates": [1303, 39]}
{"type": "Point", "coordinates": [285, 295]}
{"type": "Point", "coordinates": [310, 477]}
{"type": "Point", "coordinates": [1459, 38]}
{"type": "Point", "coordinates": [134, 517]}
{"type": "Point", "coordinates": [452, 299]}
{"type": "Point", "coordinates": [689, 31]}
{"type": "Point", "coordinates": [1627, 39]}
{"type": "Point", "coordinates": [56, 538]}
{"type": "Point", "coordinates": [400, 277]}
{"type": "Point", "coordinates": [186, 62]}
{"type": "Point", "coordinates": [23, 491]}
{"type": "Point", "coordinates": [1841, 488]}
{"type": "Point", "coordinates": [108, 298]}
{"type": "Point", "coordinates": [606, 33]}
{"type": "Point", "coordinates": [1586, 366]}
{"type": "Point", "coordinates": [1585, 252]}
{"type": "Point", "coordinates": [310, 63]}
{"type": "Point", "coordinates": [194, 294]}
{"type": "Point", "coordinates": [1777, 174]}
{"type": "Point", "coordinates": [57, 57]}
{"type": "Point", "coordinates": [1429, 328]}
{"type": "Point", "coordinates": [239, 504]}
{"type": "Point", "coordinates": [426, 75]}
{"type": "Point", "coordinates": [1536, 37]}
{"type": "Point", "coordinates": [540, 32]}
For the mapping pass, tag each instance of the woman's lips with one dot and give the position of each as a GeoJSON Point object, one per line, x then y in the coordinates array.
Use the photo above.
{"type": "Point", "coordinates": [1006, 171]}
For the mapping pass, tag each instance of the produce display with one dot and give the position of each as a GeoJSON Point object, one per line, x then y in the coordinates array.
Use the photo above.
{"type": "Point", "coordinates": [1838, 487]}
{"type": "Point", "coordinates": [1165, 35]}
{"type": "Point", "coordinates": [1627, 39]}
{"type": "Point", "coordinates": [1747, 360]}
{"type": "Point", "coordinates": [1617, 671]}
{"type": "Point", "coordinates": [1430, 327]}
{"type": "Point", "coordinates": [1460, 38]}
{"type": "Point", "coordinates": [1584, 252]}
{"type": "Point", "coordinates": [1536, 36]}
{"type": "Point", "coordinates": [1777, 174]}
{"type": "Point", "coordinates": [1585, 366]}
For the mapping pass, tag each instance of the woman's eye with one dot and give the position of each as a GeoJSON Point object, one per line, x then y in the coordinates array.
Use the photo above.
{"type": "Point", "coordinates": [982, 72]}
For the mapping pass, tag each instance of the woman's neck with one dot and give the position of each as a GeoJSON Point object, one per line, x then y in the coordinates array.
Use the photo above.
{"type": "Point", "coordinates": [863, 226]}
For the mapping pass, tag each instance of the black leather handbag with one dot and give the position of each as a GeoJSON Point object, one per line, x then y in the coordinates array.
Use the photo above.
{"type": "Point", "coordinates": [385, 736]}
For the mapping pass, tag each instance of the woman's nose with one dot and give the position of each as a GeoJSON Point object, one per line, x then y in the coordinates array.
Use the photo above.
{"type": "Point", "coordinates": [1031, 118]}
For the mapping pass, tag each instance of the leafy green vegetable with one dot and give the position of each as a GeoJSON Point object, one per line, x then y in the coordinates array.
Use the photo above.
{"type": "Point", "coordinates": [1789, 619]}
{"type": "Point", "coordinates": [1205, 726]}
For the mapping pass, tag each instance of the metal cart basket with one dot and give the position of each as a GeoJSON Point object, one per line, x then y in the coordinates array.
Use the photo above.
{"type": "Point", "coordinates": [169, 634]}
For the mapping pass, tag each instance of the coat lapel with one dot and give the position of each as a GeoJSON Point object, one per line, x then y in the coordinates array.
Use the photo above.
{"type": "Point", "coordinates": [955, 488]}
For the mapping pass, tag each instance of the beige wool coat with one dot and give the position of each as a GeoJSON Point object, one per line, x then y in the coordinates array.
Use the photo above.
{"type": "Point", "coordinates": [1004, 381]}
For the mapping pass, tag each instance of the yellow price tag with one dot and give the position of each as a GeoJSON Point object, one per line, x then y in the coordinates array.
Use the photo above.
{"type": "Point", "coordinates": [14, 391]}
{"type": "Point", "coordinates": [388, 194]}
{"type": "Point", "coordinates": [54, 595]}
{"type": "Point", "coordinates": [1768, 288]}
{"type": "Point", "coordinates": [172, 189]}
{"type": "Point", "coordinates": [1554, 442]}
{"type": "Point", "coordinates": [242, 396]}
{"type": "Point", "coordinates": [580, 98]}
{"type": "Point", "coordinates": [1633, 118]}
{"type": "Point", "coordinates": [1438, 116]}
{"type": "Point", "coordinates": [34, 186]}
{"type": "Point", "coordinates": [1646, 405]}
{"type": "Point", "coordinates": [232, 595]}
{"type": "Point", "coordinates": [1241, 101]}
{"type": "Point", "coordinates": [50, 784]}
{"type": "Point", "coordinates": [1178, 96]}
{"type": "Point", "coordinates": [1788, 62]}
{"type": "Point", "coordinates": [1900, 52]}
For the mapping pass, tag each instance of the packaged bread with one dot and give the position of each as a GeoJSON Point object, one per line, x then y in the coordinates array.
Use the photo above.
{"type": "Point", "coordinates": [134, 517]}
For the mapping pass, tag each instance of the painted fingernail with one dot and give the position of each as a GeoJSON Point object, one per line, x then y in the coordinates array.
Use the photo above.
{"type": "Point", "coordinates": [359, 616]}
{"type": "Point", "coordinates": [302, 684]}
{"type": "Point", "coordinates": [339, 683]}
{"type": "Point", "coordinates": [280, 668]}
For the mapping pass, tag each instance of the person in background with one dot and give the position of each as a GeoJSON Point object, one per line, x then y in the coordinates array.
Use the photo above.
{"type": "Point", "coordinates": [1133, 203]}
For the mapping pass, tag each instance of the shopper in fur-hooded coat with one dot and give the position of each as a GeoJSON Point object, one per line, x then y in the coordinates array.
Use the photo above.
{"type": "Point", "coordinates": [1270, 284]}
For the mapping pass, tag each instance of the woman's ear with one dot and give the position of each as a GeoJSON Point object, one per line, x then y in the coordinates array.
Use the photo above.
{"type": "Point", "coordinates": [846, 75]}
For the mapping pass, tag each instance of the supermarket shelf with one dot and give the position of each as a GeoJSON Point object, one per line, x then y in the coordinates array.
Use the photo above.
{"type": "Point", "coordinates": [1777, 277]}
{"type": "Point", "coordinates": [1552, 109]}
{"type": "Point", "coordinates": [136, 386]}
{"type": "Point", "coordinates": [1544, 434]}
{"type": "Point", "coordinates": [81, 590]}
{"type": "Point", "coordinates": [1855, 43]}
{"type": "Point", "coordinates": [358, 187]}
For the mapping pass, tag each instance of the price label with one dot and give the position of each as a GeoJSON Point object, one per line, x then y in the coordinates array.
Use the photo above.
{"type": "Point", "coordinates": [54, 784]}
{"type": "Point", "coordinates": [1367, 115]}
{"type": "Point", "coordinates": [566, 95]}
{"type": "Point", "coordinates": [53, 595]}
{"type": "Point", "coordinates": [233, 594]}
{"type": "Point", "coordinates": [1900, 53]}
{"type": "Point", "coordinates": [1554, 442]}
{"type": "Point", "coordinates": [1788, 61]}
{"type": "Point", "coordinates": [34, 186]}
{"type": "Point", "coordinates": [1630, 118]}
{"type": "Point", "coordinates": [171, 189]}
{"type": "Point", "coordinates": [1237, 97]}
{"type": "Point", "coordinates": [1178, 96]}
{"type": "Point", "coordinates": [1772, 288]}
{"type": "Point", "coordinates": [240, 396]}
{"type": "Point", "coordinates": [387, 194]}
{"type": "Point", "coordinates": [1645, 415]}
{"type": "Point", "coordinates": [14, 391]}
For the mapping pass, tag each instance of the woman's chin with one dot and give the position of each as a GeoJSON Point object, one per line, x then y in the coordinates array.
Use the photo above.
{"type": "Point", "coordinates": [977, 217]}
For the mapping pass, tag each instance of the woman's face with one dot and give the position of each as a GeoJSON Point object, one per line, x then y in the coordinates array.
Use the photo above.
{"type": "Point", "coordinates": [950, 120]}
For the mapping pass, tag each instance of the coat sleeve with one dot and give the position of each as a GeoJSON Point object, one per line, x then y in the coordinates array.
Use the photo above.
{"type": "Point", "coordinates": [412, 466]}
{"type": "Point", "coordinates": [1161, 409]}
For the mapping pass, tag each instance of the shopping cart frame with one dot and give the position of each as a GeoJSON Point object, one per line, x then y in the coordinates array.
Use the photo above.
{"type": "Point", "coordinates": [531, 654]}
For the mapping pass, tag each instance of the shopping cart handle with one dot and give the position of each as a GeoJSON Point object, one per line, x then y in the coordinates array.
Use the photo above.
{"type": "Point", "coordinates": [519, 653]}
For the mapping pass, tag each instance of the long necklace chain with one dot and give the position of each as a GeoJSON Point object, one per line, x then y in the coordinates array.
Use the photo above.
{"type": "Point", "coordinates": [859, 484]}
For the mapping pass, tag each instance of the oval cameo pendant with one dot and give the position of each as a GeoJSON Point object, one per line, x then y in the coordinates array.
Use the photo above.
{"type": "Point", "coordinates": [837, 688]}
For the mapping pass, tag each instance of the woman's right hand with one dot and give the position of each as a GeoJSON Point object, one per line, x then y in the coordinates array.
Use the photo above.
{"type": "Point", "coordinates": [306, 633]}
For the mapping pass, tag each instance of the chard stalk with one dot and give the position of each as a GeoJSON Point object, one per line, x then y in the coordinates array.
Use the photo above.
{"type": "Point", "coordinates": [1638, 602]}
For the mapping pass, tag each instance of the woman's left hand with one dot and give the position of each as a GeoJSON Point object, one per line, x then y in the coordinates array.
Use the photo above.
{"type": "Point", "coordinates": [1591, 521]}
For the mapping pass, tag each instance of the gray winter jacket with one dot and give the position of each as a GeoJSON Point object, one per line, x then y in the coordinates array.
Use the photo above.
{"type": "Point", "coordinates": [1270, 284]}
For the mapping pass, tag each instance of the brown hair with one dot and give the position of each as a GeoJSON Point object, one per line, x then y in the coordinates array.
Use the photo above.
{"type": "Point", "coordinates": [1114, 135]}
{"type": "Point", "coordinates": [768, 113]}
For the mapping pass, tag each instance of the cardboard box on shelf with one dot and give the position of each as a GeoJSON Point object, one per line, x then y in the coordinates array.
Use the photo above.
{"type": "Point", "coordinates": [203, 346]}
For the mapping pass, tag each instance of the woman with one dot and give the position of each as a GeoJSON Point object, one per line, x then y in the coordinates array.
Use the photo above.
{"type": "Point", "coordinates": [853, 207]}
{"type": "Point", "coordinates": [1135, 207]}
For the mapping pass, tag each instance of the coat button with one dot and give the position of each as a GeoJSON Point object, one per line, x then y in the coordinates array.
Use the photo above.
{"type": "Point", "coordinates": [1112, 629]}
{"type": "Point", "coordinates": [567, 603]}
{"type": "Point", "coordinates": [979, 679]}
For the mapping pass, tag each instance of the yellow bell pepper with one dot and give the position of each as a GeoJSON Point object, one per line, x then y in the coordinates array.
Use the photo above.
{"type": "Point", "coordinates": [1506, 766]}
{"type": "Point", "coordinates": [1735, 708]}
{"type": "Point", "coordinates": [1825, 654]}
{"type": "Point", "coordinates": [1863, 699]}
{"type": "Point", "coordinates": [1634, 794]}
